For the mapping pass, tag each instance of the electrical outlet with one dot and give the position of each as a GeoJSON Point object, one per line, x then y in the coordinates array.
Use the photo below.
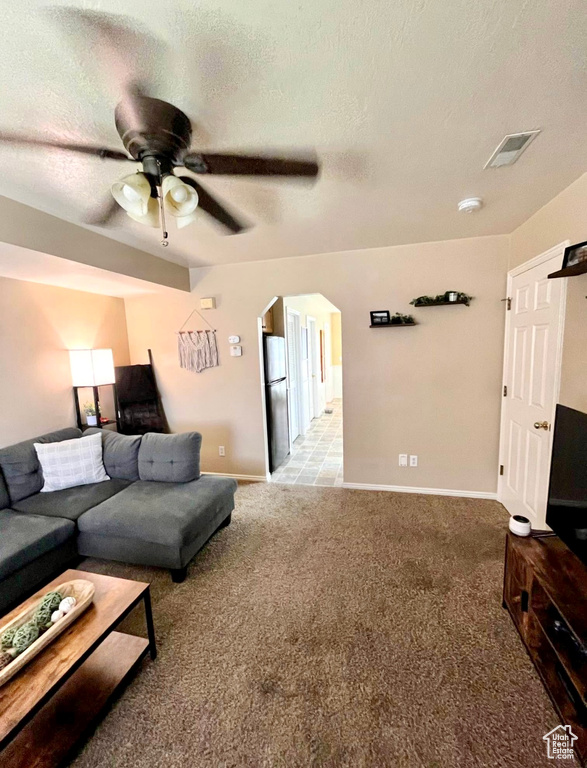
{"type": "Point", "coordinates": [403, 459]}
{"type": "Point", "coordinates": [413, 461]}
{"type": "Point", "coordinates": [221, 451]}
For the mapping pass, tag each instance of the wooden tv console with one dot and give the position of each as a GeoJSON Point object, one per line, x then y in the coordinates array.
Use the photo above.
{"type": "Point", "coordinates": [545, 591]}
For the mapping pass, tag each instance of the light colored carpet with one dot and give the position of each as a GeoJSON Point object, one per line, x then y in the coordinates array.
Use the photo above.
{"type": "Point", "coordinates": [329, 627]}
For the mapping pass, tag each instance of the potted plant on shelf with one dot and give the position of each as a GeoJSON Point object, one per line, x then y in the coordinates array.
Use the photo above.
{"type": "Point", "coordinates": [399, 319]}
{"type": "Point", "coordinates": [425, 301]}
{"type": "Point", "coordinates": [90, 411]}
{"type": "Point", "coordinates": [450, 297]}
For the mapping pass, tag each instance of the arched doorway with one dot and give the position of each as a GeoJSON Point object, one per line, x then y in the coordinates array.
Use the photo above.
{"type": "Point", "coordinates": [302, 387]}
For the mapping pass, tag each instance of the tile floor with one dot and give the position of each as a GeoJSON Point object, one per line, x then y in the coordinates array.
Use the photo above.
{"type": "Point", "coordinates": [316, 459]}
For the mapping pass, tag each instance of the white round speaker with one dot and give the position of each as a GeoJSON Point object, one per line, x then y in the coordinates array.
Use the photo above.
{"type": "Point", "coordinates": [520, 525]}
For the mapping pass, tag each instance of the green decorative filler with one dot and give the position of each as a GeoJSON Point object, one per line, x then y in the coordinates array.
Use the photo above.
{"type": "Point", "coordinates": [52, 599]}
{"type": "Point", "coordinates": [6, 641]}
{"type": "Point", "coordinates": [450, 297]}
{"type": "Point", "coordinates": [25, 636]}
{"type": "Point", "coordinates": [5, 659]}
{"type": "Point", "coordinates": [399, 319]}
{"type": "Point", "coordinates": [42, 617]}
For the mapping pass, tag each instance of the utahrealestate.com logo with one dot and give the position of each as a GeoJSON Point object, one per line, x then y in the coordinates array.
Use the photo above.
{"type": "Point", "coordinates": [560, 743]}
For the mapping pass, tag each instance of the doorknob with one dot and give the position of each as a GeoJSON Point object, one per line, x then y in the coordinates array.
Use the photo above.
{"type": "Point", "coordinates": [541, 425]}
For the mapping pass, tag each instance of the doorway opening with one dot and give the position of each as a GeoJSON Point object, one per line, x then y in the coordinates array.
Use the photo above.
{"type": "Point", "coordinates": [302, 349]}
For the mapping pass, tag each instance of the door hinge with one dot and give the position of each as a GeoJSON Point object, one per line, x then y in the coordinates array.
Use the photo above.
{"type": "Point", "coordinates": [501, 469]}
{"type": "Point", "coordinates": [505, 390]}
{"type": "Point", "coordinates": [508, 303]}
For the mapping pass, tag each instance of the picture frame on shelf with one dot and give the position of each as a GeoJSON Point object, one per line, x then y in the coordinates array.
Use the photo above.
{"type": "Point", "coordinates": [380, 317]}
{"type": "Point", "coordinates": [575, 254]}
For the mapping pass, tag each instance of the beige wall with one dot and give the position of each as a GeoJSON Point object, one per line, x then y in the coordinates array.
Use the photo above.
{"type": "Point", "coordinates": [563, 218]}
{"type": "Point", "coordinates": [38, 324]}
{"type": "Point", "coordinates": [336, 338]}
{"type": "Point", "coordinates": [433, 390]}
{"type": "Point", "coordinates": [27, 227]}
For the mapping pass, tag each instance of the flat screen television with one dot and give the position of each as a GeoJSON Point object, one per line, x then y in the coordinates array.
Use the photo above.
{"type": "Point", "coordinates": [566, 512]}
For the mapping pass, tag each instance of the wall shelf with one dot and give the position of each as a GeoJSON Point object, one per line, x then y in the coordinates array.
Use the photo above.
{"type": "Point", "coordinates": [576, 269]}
{"type": "Point", "coordinates": [392, 325]}
{"type": "Point", "coordinates": [439, 304]}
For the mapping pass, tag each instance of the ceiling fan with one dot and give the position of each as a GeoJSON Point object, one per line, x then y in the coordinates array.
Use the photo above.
{"type": "Point", "coordinates": [157, 135]}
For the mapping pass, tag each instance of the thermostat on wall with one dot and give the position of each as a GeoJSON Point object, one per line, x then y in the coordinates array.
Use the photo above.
{"type": "Point", "coordinates": [236, 351]}
{"type": "Point", "coordinates": [234, 339]}
{"type": "Point", "coordinates": [209, 303]}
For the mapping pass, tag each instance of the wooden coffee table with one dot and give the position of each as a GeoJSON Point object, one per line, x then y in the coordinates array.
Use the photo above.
{"type": "Point", "coordinates": [50, 704]}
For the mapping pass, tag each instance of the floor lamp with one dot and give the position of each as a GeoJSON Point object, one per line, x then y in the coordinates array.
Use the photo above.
{"type": "Point", "coordinates": [92, 368]}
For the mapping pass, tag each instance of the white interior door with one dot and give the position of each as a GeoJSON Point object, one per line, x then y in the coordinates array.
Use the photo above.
{"type": "Point", "coordinates": [292, 336]}
{"type": "Point", "coordinates": [533, 352]}
{"type": "Point", "coordinates": [305, 389]}
{"type": "Point", "coordinates": [314, 355]}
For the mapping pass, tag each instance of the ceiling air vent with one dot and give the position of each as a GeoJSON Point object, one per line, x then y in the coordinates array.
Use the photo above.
{"type": "Point", "coordinates": [510, 149]}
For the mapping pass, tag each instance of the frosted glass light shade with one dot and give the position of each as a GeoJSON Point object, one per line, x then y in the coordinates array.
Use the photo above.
{"type": "Point", "coordinates": [151, 217]}
{"type": "Point", "coordinates": [133, 193]}
{"type": "Point", "coordinates": [91, 367]}
{"type": "Point", "coordinates": [180, 199]}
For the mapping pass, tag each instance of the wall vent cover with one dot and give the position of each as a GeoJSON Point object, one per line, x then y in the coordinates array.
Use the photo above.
{"type": "Point", "coordinates": [510, 149]}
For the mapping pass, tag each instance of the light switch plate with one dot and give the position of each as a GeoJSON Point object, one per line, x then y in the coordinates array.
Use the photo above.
{"type": "Point", "coordinates": [208, 303]}
{"type": "Point", "coordinates": [403, 459]}
{"type": "Point", "coordinates": [236, 351]}
{"type": "Point", "coordinates": [413, 461]}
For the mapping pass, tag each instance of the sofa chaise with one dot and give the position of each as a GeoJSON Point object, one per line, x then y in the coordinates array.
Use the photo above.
{"type": "Point", "coordinates": [157, 509]}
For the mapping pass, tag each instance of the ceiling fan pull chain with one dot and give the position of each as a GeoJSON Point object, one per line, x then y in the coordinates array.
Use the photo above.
{"type": "Point", "coordinates": [164, 232]}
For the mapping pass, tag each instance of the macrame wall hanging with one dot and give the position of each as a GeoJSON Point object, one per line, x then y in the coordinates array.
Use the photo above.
{"type": "Point", "coordinates": [197, 349]}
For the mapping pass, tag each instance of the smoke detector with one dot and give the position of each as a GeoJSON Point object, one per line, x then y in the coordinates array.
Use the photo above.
{"type": "Point", "coordinates": [471, 205]}
{"type": "Point", "coordinates": [510, 148]}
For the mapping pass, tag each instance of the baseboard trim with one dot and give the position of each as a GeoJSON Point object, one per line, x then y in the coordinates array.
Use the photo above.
{"type": "Point", "coordinates": [428, 491]}
{"type": "Point", "coordinates": [252, 478]}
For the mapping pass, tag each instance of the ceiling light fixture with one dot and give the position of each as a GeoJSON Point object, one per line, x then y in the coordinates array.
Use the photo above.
{"type": "Point", "coordinates": [145, 198]}
{"type": "Point", "coordinates": [471, 205]}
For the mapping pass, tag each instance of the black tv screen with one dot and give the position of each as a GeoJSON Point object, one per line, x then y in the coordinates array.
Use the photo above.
{"type": "Point", "coordinates": [566, 512]}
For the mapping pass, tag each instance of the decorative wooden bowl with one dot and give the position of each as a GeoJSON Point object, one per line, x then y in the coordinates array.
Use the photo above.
{"type": "Point", "coordinates": [82, 590]}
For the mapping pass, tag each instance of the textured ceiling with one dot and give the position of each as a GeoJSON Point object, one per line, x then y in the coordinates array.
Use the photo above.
{"type": "Point", "coordinates": [404, 101]}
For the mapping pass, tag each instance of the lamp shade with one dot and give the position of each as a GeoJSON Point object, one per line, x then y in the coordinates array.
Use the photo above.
{"type": "Point", "coordinates": [133, 193]}
{"type": "Point", "coordinates": [151, 217]}
{"type": "Point", "coordinates": [91, 367]}
{"type": "Point", "coordinates": [180, 199]}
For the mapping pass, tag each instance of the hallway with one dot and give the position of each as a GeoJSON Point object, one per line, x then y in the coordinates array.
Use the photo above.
{"type": "Point", "coordinates": [316, 458]}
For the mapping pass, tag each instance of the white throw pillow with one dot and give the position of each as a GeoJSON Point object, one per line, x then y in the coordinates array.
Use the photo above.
{"type": "Point", "coordinates": [71, 462]}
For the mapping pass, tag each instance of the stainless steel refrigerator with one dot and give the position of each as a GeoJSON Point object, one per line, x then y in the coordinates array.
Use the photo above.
{"type": "Point", "coordinates": [276, 399]}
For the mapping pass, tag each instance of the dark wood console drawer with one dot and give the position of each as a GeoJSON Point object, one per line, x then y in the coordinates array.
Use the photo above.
{"type": "Point", "coordinates": [545, 591]}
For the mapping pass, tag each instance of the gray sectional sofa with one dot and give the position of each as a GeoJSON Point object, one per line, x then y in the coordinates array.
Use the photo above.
{"type": "Point", "coordinates": [157, 509]}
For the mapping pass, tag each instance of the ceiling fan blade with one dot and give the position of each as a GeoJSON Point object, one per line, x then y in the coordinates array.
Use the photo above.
{"type": "Point", "coordinates": [246, 165]}
{"type": "Point", "coordinates": [110, 154]}
{"type": "Point", "coordinates": [213, 207]}
{"type": "Point", "coordinates": [105, 215]}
